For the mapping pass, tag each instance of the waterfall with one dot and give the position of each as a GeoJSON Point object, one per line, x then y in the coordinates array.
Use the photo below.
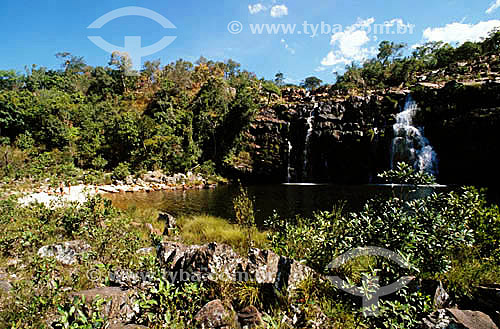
{"type": "Point", "coordinates": [289, 175]}
{"type": "Point", "coordinates": [309, 133]}
{"type": "Point", "coordinates": [409, 144]}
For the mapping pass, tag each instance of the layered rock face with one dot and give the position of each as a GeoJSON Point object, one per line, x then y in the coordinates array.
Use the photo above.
{"type": "Point", "coordinates": [318, 137]}
{"type": "Point", "coordinates": [462, 123]}
{"type": "Point", "coordinates": [324, 137]}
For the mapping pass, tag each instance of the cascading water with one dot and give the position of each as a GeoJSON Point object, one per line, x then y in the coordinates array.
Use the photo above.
{"type": "Point", "coordinates": [309, 133]}
{"type": "Point", "coordinates": [409, 144]}
{"type": "Point", "coordinates": [288, 169]}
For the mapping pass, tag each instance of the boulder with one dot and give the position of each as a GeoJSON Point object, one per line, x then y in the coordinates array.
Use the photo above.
{"type": "Point", "coordinates": [146, 251]}
{"type": "Point", "coordinates": [250, 317]}
{"type": "Point", "coordinates": [170, 222]}
{"type": "Point", "coordinates": [153, 177]}
{"type": "Point", "coordinates": [214, 315]}
{"type": "Point", "coordinates": [265, 266]}
{"type": "Point", "coordinates": [130, 180]}
{"type": "Point", "coordinates": [210, 261]}
{"type": "Point", "coordinates": [219, 261]}
{"type": "Point", "coordinates": [455, 318]}
{"type": "Point", "coordinates": [441, 297]}
{"type": "Point", "coordinates": [67, 253]}
{"type": "Point", "coordinates": [5, 285]}
{"type": "Point", "coordinates": [118, 307]}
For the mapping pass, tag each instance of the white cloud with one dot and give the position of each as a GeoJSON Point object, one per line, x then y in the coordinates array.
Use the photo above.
{"type": "Point", "coordinates": [287, 47]}
{"type": "Point", "coordinates": [400, 24]}
{"type": "Point", "coordinates": [320, 69]}
{"type": "Point", "coordinates": [459, 32]}
{"type": "Point", "coordinates": [257, 8]}
{"type": "Point", "coordinates": [350, 45]}
{"type": "Point", "coordinates": [494, 6]}
{"type": "Point", "coordinates": [279, 11]}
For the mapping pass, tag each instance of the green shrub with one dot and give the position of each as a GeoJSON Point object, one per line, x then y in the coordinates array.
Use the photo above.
{"type": "Point", "coordinates": [121, 171]}
{"type": "Point", "coordinates": [404, 174]}
{"type": "Point", "coordinates": [80, 314]}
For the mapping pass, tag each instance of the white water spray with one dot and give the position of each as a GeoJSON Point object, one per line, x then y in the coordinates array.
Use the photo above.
{"type": "Point", "coordinates": [310, 131]}
{"type": "Point", "coordinates": [409, 144]}
{"type": "Point", "coordinates": [288, 169]}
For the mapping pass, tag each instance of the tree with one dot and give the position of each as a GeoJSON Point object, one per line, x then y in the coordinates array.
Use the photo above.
{"type": "Point", "coordinates": [71, 64]}
{"type": "Point", "coordinates": [279, 79]}
{"type": "Point", "coordinates": [8, 79]}
{"type": "Point", "coordinates": [231, 69]}
{"type": "Point", "coordinates": [123, 65]}
{"type": "Point", "coordinates": [468, 51]}
{"type": "Point", "coordinates": [312, 83]}
{"type": "Point", "coordinates": [390, 51]}
{"type": "Point", "coordinates": [492, 43]}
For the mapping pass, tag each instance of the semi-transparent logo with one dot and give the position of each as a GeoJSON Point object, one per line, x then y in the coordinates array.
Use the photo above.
{"type": "Point", "coordinates": [370, 290]}
{"type": "Point", "coordinates": [133, 44]}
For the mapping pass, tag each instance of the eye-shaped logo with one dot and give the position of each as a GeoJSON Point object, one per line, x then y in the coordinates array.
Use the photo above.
{"type": "Point", "coordinates": [370, 290]}
{"type": "Point", "coordinates": [133, 46]}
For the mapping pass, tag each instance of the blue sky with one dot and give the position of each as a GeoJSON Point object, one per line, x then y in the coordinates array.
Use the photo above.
{"type": "Point", "coordinates": [34, 31]}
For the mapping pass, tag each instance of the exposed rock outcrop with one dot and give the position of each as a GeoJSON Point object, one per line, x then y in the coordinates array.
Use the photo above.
{"type": "Point", "coordinates": [218, 261]}
{"type": "Point", "coordinates": [67, 253]}
{"type": "Point", "coordinates": [215, 315]}
{"type": "Point", "coordinates": [118, 307]}
{"type": "Point", "coordinates": [455, 318]}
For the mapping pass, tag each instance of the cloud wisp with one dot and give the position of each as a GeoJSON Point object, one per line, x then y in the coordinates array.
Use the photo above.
{"type": "Point", "coordinates": [460, 32]}
{"type": "Point", "coordinates": [494, 6]}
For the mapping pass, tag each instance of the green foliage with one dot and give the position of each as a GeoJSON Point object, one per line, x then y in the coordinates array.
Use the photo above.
{"type": "Point", "coordinates": [167, 305]}
{"type": "Point", "coordinates": [404, 174]}
{"type": "Point", "coordinates": [38, 290]}
{"type": "Point", "coordinates": [81, 315]}
{"type": "Point", "coordinates": [169, 117]}
{"type": "Point", "coordinates": [437, 235]}
{"type": "Point", "coordinates": [244, 208]}
{"type": "Point", "coordinates": [203, 229]}
{"type": "Point", "coordinates": [312, 83]}
{"type": "Point", "coordinates": [121, 171]}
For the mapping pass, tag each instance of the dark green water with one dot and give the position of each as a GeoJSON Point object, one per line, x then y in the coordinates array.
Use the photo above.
{"type": "Point", "coordinates": [287, 200]}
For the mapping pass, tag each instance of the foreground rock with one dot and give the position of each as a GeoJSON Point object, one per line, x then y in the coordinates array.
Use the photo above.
{"type": "Point", "coordinates": [67, 253]}
{"type": "Point", "coordinates": [118, 307]}
{"type": "Point", "coordinates": [170, 222]}
{"type": "Point", "coordinates": [5, 285]}
{"type": "Point", "coordinates": [215, 315]}
{"type": "Point", "coordinates": [219, 262]}
{"type": "Point", "coordinates": [455, 318]}
{"type": "Point", "coordinates": [250, 317]}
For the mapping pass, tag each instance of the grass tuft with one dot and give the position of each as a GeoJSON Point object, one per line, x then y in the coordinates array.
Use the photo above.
{"type": "Point", "coordinates": [203, 229]}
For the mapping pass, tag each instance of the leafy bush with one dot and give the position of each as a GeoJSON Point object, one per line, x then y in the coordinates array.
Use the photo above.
{"type": "Point", "coordinates": [121, 171]}
{"type": "Point", "coordinates": [81, 315]}
{"type": "Point", "coordinates": [244, 208]}
{"type": "Point", "coordinates": [404, 174]}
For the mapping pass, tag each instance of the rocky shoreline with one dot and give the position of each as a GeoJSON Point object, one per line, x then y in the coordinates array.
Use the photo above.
{"type": "Point", "coordinates": [148, 182]}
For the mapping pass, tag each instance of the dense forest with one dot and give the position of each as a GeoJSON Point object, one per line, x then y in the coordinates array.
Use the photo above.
{"type": "Point", "coordinates": [181, 115]}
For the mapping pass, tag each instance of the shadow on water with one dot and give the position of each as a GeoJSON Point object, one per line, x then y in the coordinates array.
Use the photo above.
{"type": "Point", "coordinates": [288, 200]}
